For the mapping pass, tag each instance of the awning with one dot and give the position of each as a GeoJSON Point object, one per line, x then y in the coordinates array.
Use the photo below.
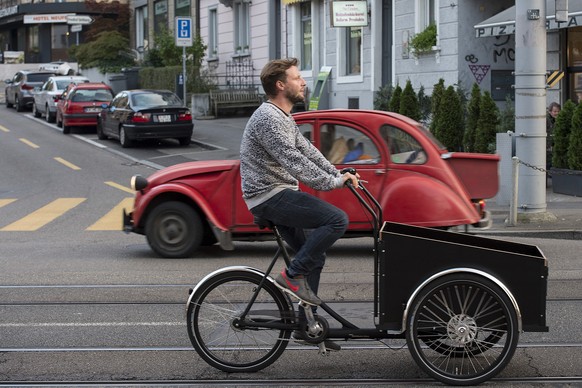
{"type": "Point", "coordinates": [504, 22]}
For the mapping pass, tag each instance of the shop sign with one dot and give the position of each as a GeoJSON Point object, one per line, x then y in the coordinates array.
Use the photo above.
{"type": "Point", "coordinates": [48, 18]}
{"type": "Point", "coordinates": [349, 13]}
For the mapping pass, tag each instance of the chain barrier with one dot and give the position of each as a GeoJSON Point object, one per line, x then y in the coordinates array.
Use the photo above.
{"type": "Point", "coordinates": [550, 172]}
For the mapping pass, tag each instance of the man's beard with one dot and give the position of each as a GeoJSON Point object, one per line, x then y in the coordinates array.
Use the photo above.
{"type": "Point", "coordinates": [295, 98]}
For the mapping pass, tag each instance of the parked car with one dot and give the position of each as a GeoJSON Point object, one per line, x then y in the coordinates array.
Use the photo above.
{"type": "Point", "coordinates": [145, 114]}
{"type": "Point", "coordinates": [416, 180]}
{"type": "Point", "coordinates": [45, 97]}
{"type": "Point", "coordinates": [80, 104]}
{"type": "Point", "coordinates": [19, 89]}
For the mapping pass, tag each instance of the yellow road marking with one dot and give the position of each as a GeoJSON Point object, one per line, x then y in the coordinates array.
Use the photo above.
{"type": "Point", "coordinates": [68, 164]}
{"type": "Point", "coordinates": [120, 187]}
{"type": "Point", "coordinates": [44, 215]}
{"type": "Point", "coordinates": [4, 202]}
{"type": "Point", "coordinates": [4, 129]}
{"type": "Point", "coordinates": [113, 219]}
{"type": "Point", "coordinates": [28, 143]}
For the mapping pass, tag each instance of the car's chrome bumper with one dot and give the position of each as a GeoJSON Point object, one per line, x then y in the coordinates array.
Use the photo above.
{"type": "Point", "coordinates": [127, 222]}
{"type": "Point", "coordinates": [485, 222]}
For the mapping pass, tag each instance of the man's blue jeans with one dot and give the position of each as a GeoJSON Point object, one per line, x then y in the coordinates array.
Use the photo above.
{"type": "Point", "coordinates": [308, 225]}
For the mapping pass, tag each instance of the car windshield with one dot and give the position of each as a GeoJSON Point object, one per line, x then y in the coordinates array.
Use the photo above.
{"type": "Point", "coordinates": [155, 99]}
{"type": "Point", "coordinates": [62, 85]}
{"type": "Point", "coordinates": [86, 95]}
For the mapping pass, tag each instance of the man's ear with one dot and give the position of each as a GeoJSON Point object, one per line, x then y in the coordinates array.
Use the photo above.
{"type": "Point", "coordinates": [280, 85]}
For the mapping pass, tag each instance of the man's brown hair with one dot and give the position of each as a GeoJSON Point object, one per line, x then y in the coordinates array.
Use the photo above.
{"type": "Point", "coordinates": [274, 71]}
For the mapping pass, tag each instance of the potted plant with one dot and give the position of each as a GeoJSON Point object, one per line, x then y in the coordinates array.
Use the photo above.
{"type": "Point", "coordinates": [424, 41]}
{"type": "Point", "coordinates": [566, 168]}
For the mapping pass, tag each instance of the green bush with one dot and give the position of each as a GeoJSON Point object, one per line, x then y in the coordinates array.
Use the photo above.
{"type": "Point", "coordinates": [562, 129]}
{"type": "Point", "coordinates": [575, 140]}
{"type": "Point", "coordinates": [109, 52]}
{"type": "Point", "coordinates": [450, 120]}
{"type": "Point", "coordinates": [487, 124]}
{"type": "Point", "coordinates": [424, 102]}
{"type": "Point", "coordinates": [382, 97]}
{"type": "Point", "coordinates": [395, 99]}
{"type": "Point", "coordinates": [424, 41]}
{"type": "Point", "coordinates": [165, 78]}
{"type": "Point", "coordinates": [409, 103]}
{"type": "Point", "coordinates": [472, 118]}
{"type": "Point", "coordinates": [437, 94]}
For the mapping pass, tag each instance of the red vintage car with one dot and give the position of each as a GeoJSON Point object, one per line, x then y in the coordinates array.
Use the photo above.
{"type": "Point", "coordinates": [416, 180]}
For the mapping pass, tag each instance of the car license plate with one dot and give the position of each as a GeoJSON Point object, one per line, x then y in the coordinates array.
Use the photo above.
{"type": "Point", "coordinates": [164, 118]}
{"type": "Point", "coordinates": [93, 109]}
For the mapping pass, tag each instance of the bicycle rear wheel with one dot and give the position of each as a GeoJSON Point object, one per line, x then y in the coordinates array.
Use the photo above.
{"type": "Point", "coordinates": [462, 329]}
{"type": "Point", "coordinates": [215, 311]}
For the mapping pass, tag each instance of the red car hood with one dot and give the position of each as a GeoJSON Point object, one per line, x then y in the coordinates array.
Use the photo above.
{"type": "Point", "coordinates": [182, 170]}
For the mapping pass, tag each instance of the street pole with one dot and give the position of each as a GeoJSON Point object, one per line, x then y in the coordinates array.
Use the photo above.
{"type": "Point", "coordinates": [184, 75]}
{"type": "Point", "coordinates": [530, 102]}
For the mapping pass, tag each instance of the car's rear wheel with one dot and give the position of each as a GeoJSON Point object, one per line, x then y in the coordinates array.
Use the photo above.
{"type": "Point", "coordinates": [19, 104]}
{"type": "Point", "coordinates": [35, 111]}
{"type": "Point", "coordinates": [59, 120]}
{"type": "Point", "coordinates": [8, 104]}
{"type": "Point", "coordinates": [66, 128]}
{"type": "Point", "coordinates": [184, 141]}
{"type": "Point", "coordinates": [123, 139]}
{"type": "Point", "coordinates": [49, 117]}
{"type": "Point", "coordinates": [174, 230]}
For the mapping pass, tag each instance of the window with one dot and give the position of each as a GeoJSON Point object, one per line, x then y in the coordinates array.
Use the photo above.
{"type": "Point", "coordinates": [141, 27]}
{"type": "Point", "coordinates": [350, 54]}
{"type": "Point", "coordinates": [345, 145]}
{"type": "Point", "coordinates": [305, 34]}
{"type": "Point", "coordinates": [160, 15]}
{"type": "Point", "coordinates": [33, 38]}
{"type": "Point", "coordinates": [241, 27]}
{"type": "Point", "coordinates": [212, 33]}
{"type": "Point", "coordinates": [426, 13]}
{"type": "Point", "coordinates": [182, 7]}
{"type": "Point", "coordinates": [60, 38]}
{"type": "Point", "coordinates": [404, 149]}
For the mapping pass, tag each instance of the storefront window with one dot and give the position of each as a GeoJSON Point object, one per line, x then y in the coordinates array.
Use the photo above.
{"type": "Point", "coordinates": [575, 63]}
{"type": "Point", "coordinates": [182, 7]}
{"type": "Point", "coordinates": [354, 51]}
{"type": "Point", "coordinates": [141, 27]}
{"type": "Point", "coordinates": [160, 15]}
{"type": "Point", "coordinates": [306, 36]}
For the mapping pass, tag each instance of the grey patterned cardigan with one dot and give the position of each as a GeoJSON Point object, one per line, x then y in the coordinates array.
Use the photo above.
{"type": "Point", "coordinates": [275, 156]}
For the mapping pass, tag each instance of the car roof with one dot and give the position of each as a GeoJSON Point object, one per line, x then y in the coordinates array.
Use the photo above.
{"type": "Point", "coordinates": [35, 72]}
{"type": "Point", "coordinates": [69, 77]}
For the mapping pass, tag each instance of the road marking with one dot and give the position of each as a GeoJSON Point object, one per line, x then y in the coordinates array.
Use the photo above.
{"type": "Point", "coordinates": [120, 187]}
{"type": "Point", "coordinates": [4, 202]}
{"type": "Point", "coordinates": [28, 143]}
{"type": "Point", "coordinates": [68, 164]}
{"type": "Point", "coordinates": [90, 324]}
{"type": "Point", "coordinates": [4, 129]}
{"type": "Point", "coordinates": [113, 220]}
{"type": "Point", "coordinates": [44, 215]}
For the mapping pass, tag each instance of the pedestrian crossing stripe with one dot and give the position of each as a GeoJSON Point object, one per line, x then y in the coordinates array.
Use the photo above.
{"type": "Point", "coordinates": [44, 215]}
{"type": "Point", "coordinates": [4, 129]}
{"type": "Point", "coordinates": [112, 221]}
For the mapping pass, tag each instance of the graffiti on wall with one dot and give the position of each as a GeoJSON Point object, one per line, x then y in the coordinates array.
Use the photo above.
{"type": "Point", "coordinates": [479, 71]}
{"type": "Point", "coordinates": [502, 53]}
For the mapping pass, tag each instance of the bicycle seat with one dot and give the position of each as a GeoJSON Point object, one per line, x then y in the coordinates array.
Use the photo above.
{"type": "Point", "coordinates": [263, 223]}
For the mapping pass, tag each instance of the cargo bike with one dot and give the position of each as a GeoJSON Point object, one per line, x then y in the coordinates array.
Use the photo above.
{"type": "Point", "coordinates": [459, 300]}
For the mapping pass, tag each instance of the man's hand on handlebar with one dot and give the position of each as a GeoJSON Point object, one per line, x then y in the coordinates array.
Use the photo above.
{"type": "Point", "coordinates": [350, 174]}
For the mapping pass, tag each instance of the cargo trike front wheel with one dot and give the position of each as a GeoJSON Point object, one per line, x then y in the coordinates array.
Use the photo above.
{"type": "Point", "coordinates": [462, 329]}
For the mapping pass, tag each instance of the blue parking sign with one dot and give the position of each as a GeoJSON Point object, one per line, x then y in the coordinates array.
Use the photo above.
{"type": "Point", "coordinates": [183, 32]}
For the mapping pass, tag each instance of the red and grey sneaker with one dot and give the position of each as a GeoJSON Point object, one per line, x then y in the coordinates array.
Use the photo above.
{"type": "Point", "coordinates": [297, 287]}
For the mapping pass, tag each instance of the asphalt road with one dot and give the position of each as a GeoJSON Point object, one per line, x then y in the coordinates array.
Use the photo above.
{"type": "Point", "coordinates": [82, 304]}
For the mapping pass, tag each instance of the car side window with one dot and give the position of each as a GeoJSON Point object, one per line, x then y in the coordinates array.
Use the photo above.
{"type": "Point", "coordinates": [346, 145]}
{"type": "Point", "coordinates": [307, 131]}
{"type": "Point", "coordinates": [403, 148]}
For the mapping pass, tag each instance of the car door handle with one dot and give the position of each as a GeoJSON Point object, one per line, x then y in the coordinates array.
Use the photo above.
{"type": "Point", "coordinates": [380, 172]}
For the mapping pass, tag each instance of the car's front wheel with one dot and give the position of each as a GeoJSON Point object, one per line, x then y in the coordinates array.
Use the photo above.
{"type": "Point", "coordinates": [100, 134]}
{"type": "Point", "coordinates": [8, 104]}
{"type": "Point", "coordinates": [19, 104]}
{"type": "Point", "coordinates": [35, 111]}
{"type": "Point", "coordinates": [174, 230]}
{"type": "Point", "coordinates": [49, 117]}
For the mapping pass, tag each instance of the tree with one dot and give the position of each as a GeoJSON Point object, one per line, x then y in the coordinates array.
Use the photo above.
{"type": "Point", "coordinates": [424, 105]}
{"type": "Point", "coordinates": [450, 120]}
{"type": "Point", "coordinates": [382, 97]}
{"type": "Point", "coordinates": [487, 124]}
{"type": "Point", "coordinates": [472, 118]}
{"type": "Point", "coordinates": [395, 100]}
{"type": "Point", "coordinates": [575, 140]}
{"type": "Point", "coordinates": [109, 52]}
{"type": "Point", "coordinates": [409, 103]}
{"type": "Point", "coordinates": [108, 16]}
{"type": "Point", "coordinates": [166, 53]}
{"type": "Point", "coordinates": [562, 129]}
{"type": "Point", "coordinates": [437, 93]}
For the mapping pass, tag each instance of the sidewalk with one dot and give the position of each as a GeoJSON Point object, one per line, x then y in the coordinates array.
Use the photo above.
{"type": "Point", "coordinates": [567, 223]}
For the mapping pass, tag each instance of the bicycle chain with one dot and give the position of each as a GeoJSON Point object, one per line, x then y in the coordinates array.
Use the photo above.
{"type": "Point", "coordinates": [550, 172]}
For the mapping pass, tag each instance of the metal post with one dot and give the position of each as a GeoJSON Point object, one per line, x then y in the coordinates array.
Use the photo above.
{"type": "Point", "coordinates": [514, 197]}
{"type": "Point", "coordinates": [530, 101]}
{"type": "Point", "coordinates": [184, 75]}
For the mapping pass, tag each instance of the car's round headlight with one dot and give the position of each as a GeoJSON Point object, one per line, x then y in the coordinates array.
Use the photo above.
{"type": "Point", "coordinates": [138, 182]}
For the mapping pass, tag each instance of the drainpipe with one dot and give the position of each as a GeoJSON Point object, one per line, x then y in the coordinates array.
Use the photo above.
{"type": "Point", "coordinates": [530, 102]}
